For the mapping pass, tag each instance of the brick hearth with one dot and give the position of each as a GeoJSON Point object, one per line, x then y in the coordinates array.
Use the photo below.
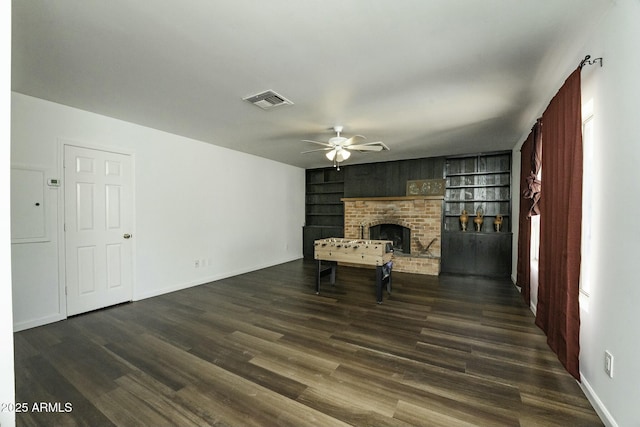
{"type": "Point", "coordinates": [423, 215]}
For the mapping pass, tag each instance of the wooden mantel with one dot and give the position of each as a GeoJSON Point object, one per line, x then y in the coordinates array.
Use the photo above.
{"type": "Point", "coordinates": [389, 198]}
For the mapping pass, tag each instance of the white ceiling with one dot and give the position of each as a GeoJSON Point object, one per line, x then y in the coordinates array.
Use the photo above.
{"type": "Point", "coordinates": [427, 77]}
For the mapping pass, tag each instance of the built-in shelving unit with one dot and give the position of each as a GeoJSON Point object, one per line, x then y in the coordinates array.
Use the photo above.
{"type": "Point", "coordinates": [324, 216]}
{"type": "Point", "coordinates": [475, 183]}
{"type": "Point", "coordinates": [478, 182]}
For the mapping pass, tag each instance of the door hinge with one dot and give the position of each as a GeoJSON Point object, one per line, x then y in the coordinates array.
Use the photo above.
{"type": "Point", "coordinates": [65, 290]}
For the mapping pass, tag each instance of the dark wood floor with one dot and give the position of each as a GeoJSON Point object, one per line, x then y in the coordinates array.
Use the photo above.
{"type": "Point", "coordinates": [261, 349]}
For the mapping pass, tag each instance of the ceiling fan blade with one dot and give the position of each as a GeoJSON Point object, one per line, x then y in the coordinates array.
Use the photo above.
{"type": "Point", "coordinates": [326, 144]}
{"type": "Point", "coordinates": [379, 143]}
{"type": "Point", "coordinates": [365, 147]}
{"type": "Point", "coordinates": [319, 149]}
{"type": "Point", "coordinates": [353, 139]}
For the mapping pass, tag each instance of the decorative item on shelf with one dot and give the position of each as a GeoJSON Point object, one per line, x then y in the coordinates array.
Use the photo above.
{"type": "Point", "coordinates": [464, 219]}
{"type": "Point", "coordinates": [497, 223]}
{"type": "Point", "coordinates": [478, 220]}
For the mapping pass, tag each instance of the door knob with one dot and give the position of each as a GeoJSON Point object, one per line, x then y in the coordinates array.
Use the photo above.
{"type": "Point", "coordinates": [127, 236]}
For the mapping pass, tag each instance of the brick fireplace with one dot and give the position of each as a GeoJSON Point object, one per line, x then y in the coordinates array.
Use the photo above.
{"type": "Point", "coordinates": [422, 215]}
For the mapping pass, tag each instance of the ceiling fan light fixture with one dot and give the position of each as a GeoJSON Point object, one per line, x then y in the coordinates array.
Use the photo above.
{"type": "Point", "coordinates": [338, 154]}
{"type": "Point", "coordinates": [342, 155]}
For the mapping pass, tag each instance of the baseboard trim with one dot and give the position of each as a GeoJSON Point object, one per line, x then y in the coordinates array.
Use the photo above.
{"type": "Point", "coordinates": [533, 308]}
{"type": "Point", "coordinates": [597, 404]}
{"type": "Point", "coordinates": [207, 279]}
{"type": "Point", "coordinates": [21, 326]}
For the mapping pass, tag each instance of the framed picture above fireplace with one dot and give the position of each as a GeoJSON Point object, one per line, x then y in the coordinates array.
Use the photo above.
{"type": "Point", "coordinates": [426, 187]}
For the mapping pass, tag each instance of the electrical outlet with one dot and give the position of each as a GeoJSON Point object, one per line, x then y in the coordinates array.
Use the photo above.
{"type": "Point", "coordinates": [608, 363]}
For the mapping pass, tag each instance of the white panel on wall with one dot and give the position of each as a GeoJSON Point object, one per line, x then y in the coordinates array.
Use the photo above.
{"type": "Point", "coordinates": [28, 217]}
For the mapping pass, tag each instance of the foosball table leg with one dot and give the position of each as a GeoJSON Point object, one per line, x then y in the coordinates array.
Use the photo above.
{"type": "Point", "coordinates": [318, 275]}
{"type": "Point", "coordinates": [383, 275]}
{"type": "Point", "coordinates": [332, 275]}
{"type": "Point", "coordinates": [379, 284]}
{"type": "Point", "coordinates": [323, 270]}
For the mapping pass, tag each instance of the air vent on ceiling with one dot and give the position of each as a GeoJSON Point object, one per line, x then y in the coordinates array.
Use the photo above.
{"type": "Point", "coordinates": [267, 100]}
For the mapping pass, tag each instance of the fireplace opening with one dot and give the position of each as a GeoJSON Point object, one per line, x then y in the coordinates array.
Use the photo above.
{"type": "Point", "coordinates": [399, 235]}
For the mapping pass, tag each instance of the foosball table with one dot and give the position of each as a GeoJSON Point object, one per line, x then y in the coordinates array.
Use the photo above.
{"type": "Point", "coordinates": [376, 253]}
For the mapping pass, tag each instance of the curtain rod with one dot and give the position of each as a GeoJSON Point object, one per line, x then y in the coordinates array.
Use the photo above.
{"type": "Point", "coordinates": [588, 61]}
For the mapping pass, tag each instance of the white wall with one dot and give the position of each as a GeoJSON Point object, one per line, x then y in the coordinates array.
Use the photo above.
{"type": "Point", "coordinates": [609, 316]}
{"type": "Point", "coordinates": [7, 394]}
{"type": "Point", "coordinates": [192, 201]}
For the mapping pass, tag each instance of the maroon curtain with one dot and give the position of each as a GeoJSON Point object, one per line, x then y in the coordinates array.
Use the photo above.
{"type": "Point", "coordinates": [558, 310]}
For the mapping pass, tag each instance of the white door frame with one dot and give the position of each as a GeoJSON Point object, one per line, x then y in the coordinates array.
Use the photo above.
{"type": "Point", "coordinates": [62, 276]}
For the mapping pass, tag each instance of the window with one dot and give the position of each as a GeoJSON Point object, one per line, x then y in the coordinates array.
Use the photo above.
{"type": "Point", "coordinates": [535, 231]}
{"type": "Point", "coordinates": [534, 257]}
{"type": "Point", "coordinates": [587, 196]}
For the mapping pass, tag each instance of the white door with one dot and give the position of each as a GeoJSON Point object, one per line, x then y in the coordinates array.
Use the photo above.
{"type": "Point", "coordinates": [98, 223]}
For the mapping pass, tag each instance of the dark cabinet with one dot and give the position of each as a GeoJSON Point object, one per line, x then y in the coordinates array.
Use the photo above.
{"type": "Point", "coordinates": [470, 252]}
{"type": "Point", "coordinates": [311, 233]}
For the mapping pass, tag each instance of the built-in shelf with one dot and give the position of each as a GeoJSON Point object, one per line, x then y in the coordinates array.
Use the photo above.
{"type": "Point", "coordinates": [478, 173]}
{"type": "Point", "coordinates": [309, 193]}
{"type": "Point", "coordinates": [324, 208]}
{"type": "Point", "coordinates": [477, 183]}
{"type": "Point", "coordinates": [476, 186]}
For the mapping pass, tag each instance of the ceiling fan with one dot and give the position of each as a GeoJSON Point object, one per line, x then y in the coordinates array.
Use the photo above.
{"type": "Point", "coordinates": [339, 148]}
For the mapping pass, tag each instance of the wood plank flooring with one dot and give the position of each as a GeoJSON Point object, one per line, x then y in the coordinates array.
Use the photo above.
{"type": "Point", "coordinates": [261, 349]}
